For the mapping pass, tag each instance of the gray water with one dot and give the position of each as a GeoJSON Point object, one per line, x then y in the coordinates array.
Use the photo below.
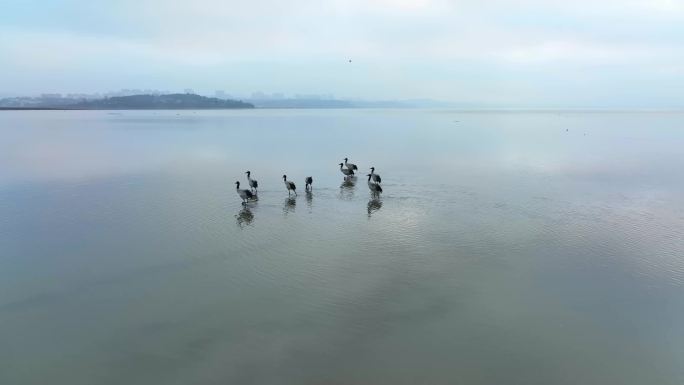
{"type": "Point", "coordinates": [507, 248]}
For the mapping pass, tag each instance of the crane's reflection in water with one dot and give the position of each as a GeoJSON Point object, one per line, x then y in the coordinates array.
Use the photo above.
{"type": "Point", "coordinates": [374, 204]}
{"type": "Point", "coordinates": [309, 199]}
{"type": "Point", "coordinates": [347, 188]}
{"type": "Point", "coordinates": [289, 205]}
{"type": "Point", "coordinates": [244, 217]}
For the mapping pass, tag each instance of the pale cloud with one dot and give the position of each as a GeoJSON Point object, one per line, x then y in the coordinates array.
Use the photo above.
{"type": "Point", "coordinates": [572, 51]}
{"type": "Point", "coordinates": [397, 46]}
{"type": "Point", "coordinates": [668, 6]}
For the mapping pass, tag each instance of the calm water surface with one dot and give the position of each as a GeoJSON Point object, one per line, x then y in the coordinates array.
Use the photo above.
{"type": "Point", "coordinates": [507, 248]}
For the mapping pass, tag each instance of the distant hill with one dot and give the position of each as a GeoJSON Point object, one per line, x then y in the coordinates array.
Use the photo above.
{"type": "Point", "coordinates": [160, 102]}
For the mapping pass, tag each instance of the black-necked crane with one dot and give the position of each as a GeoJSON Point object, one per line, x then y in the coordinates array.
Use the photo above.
{"type": "Point", "coordinates": [244, 194]}
{"type": "Point", "coordinates": [289, 185]}
{"type": "Point", "coordinates": [346, 171]}
{"type": "Point", "coordinates": [252, 182]}
{"type": "Point", "coordinates": [374, 187]}
{"type": "Point", "coordinates": [308, 181]}
{"type": "Point", "coordinates": [350, 166]}
{"type": "Point", "coordinates": [376, 177]}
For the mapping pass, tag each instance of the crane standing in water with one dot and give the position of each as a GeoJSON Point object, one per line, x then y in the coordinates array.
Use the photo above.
{"type": "Point", "coordinates": [244, 194]}
{"type": "Point", "coordinates": [252, 182]}
{"type": "Point", "coordinates": [289, 185]}
{"type": "Point", "coordinates": [346, 171]}
{"type": "Point", "coordinates": [376, 177]}
{"type": "Point", "coordinates": [350, 166]}
{"type": "Point", "coordinates": [373, 186]}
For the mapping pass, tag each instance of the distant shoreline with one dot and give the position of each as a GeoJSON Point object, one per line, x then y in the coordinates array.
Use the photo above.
{"type": "Point", "coordinates": [31, 108]}
{"type": "Point", "coordinates": [132, 102]}
{"type": "Point", "coordinates": [116, 109]}
{"type": "Point", "coordinates": [459, 110]}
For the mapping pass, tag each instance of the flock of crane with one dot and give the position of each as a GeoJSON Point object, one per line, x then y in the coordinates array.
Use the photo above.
{"type": "Point", "coordinates": [347, 169]}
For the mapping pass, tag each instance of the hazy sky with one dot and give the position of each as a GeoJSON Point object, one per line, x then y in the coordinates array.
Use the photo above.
{"type": "Point", "coordinates": [519, 53]}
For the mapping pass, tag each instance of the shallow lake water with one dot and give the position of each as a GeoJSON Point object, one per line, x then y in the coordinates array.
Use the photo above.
{"type": "Point", "coordinates": [506, 248]}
